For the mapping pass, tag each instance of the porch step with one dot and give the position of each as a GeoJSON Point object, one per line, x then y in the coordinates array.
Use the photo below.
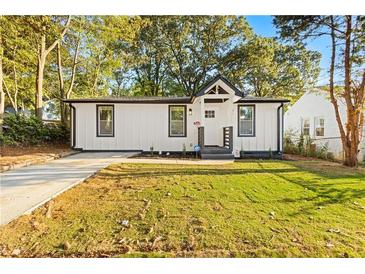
{"type": "Point", "coordinates": [220, 156]}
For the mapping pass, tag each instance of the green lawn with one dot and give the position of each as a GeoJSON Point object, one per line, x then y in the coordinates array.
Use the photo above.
{"type": "Point", "coordinates": [244, 209]}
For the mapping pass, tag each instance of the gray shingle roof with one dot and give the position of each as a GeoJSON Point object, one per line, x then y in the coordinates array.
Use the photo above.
{"type": "Point", "coordinates": [133, 100]}
{"type": "Point", "coordinates": [253, 99]}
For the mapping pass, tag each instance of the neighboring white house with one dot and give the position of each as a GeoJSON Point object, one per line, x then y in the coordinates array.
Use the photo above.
{"type": "Point", "coordinates": [313, 115]}
{"type": "Point", "coordinates": [219, 118]}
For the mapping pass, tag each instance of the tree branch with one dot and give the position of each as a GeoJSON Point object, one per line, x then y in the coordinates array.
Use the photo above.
{"type": "Point", "coordinates": [51, 47]}
{"type": "Point", "coordinates": [74, 64]}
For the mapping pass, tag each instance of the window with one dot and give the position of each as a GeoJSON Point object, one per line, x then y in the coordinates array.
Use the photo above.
{"type": "Point", "coordinates": [177, 121]}
{"type": "Point", "coordinates": [319, 122]}
{"type": "Point", "coordinates": [105, 120]}
{"type": "Point", "coordinates": [246, 120]}
{"type": "Point", "coordinates": [209, 114]}
{"type": "Point", "coordinates": [306, 127]}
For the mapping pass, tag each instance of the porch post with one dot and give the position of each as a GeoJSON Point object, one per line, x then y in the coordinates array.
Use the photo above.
{"type": "Point", "coordinates": [202, 112]}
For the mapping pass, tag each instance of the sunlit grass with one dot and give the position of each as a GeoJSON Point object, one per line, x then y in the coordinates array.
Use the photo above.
{"type": "Point", "coordinates": [244, 209]}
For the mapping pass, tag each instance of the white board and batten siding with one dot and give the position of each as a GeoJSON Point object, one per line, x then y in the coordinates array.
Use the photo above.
{"type": "Point", "coordinates": [266, 130]}
{"type": "Point", "coordinates": [136, 127]}
{"type": "Point", "coordinates": [316, 104]}
{"type": "Point", "coordinates": [140, 126]}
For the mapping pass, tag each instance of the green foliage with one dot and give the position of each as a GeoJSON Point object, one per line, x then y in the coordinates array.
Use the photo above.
{"type": "Point", "coordinates": [265, 68]}
{"type": "Point", "coordinates": [23, 130]}
{"type": "Point", "coordinates": [305, 146]}
{"type": "Point", "coordinates": [149, 55]}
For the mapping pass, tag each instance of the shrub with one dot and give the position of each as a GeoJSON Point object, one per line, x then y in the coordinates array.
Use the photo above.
{"type": "Point", "coordinates": [22, 130]}
{"type": "Point", "coordinates": [289, 145]}
{"type": "Point", "coordinates": [305, 146]}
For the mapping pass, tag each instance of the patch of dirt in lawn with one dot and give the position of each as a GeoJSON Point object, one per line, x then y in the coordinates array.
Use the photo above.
{"type": "Point", "coordinates": [16, 155]}
{"type": "Point", "coordinates": [294, 157]}
{"type": "Point", "coordinates": [320, 165]}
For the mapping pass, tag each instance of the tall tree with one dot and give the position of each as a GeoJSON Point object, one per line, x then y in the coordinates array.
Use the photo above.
{"type": "Point", "coordinates": [346, 35]}
{"type": "Point", "coordinates": [104, 43]}
{"type": "Point", "coordinates": [2, 94]}
{"type": "Point", "coordinates": [49, 31]}
{"type": "Point", "coordinates": [68, 50]}
{"type": "Point", "coordinates": [194, 46]}
{"type": "Point", "coordinates": [149, 65]}
{"type": "Point", "coordinates": [264, 67]}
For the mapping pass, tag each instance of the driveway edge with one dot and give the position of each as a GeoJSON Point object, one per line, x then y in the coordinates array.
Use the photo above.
{"type": "Point", "coordinates": [36, 162]}
{"type": "Point", "coordinates": [29, 211]}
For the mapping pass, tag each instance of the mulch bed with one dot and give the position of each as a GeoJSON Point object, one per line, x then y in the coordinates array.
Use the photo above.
{"type": "Point", "coordinates": [16, 156]}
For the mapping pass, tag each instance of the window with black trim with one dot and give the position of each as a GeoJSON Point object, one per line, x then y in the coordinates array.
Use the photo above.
{"type": "Point", "coordinates": [319, 124]}
{"type": "Point", "coordinates": [209, 114]}
{"type": "Point", "coordinates": [177, 121]}
{"type": "Point", "coordinates": [306, 127]}
{"type": "Point", "coordinates": [105, 120]}
{"type": "Point", "coordinates": [246, 120]}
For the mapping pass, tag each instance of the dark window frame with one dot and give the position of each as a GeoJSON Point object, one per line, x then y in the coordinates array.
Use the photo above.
{"type": "Point", "coordinates": [317, 125]}
{"type": "Point", "coordinates": [306, 128]}
{"type": "Point", "coordinates": [97, 120]}
{"type": "Point", "coordinates": [254, 121]}
{"type": "Point", "coordinates": [169, 122]}
{"type": "Point", "coordinates": [212, 111]}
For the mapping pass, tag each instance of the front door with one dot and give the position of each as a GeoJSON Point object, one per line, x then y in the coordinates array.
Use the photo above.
{"type": "Point", "coordinates": [213, 131]}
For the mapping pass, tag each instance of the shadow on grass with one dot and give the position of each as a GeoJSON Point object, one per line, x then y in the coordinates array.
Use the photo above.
{"type": "Point", "coordinates": [325, 194]}
{"type": "Point", "coordinates": [160, 172]}
{"type": "Point", "coordinates": [308, 177]}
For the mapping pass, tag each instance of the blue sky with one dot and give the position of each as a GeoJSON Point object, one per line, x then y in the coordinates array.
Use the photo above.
{"type": "Point", "coordinates": [263, 25]}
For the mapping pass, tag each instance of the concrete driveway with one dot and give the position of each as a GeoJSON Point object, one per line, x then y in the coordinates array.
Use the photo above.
{"type": "Point", "coordinates": [24, 189]}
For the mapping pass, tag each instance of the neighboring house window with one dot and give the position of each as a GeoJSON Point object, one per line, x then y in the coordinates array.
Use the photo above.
{"type": "Point", "coordinates": [209, 114]}
{"type": "Point", "coordinates": [319, 122]}
{"type": "Point", "coordinates": [246, 120]}
{"type": "Point", "coordinates": [177, 121]}
{"type": "Point", "coordinates": [306, 127]}
{"type": "Point", "coordinates": [105, 120]}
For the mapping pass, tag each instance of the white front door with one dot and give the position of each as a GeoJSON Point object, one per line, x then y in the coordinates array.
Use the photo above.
{"type": "Point", "coordinates": [213, 129]}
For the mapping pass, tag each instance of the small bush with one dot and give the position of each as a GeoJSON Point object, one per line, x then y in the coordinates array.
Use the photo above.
{"type": "Point", "coordinates": [22, 130]}
{"type": "Point", "coordinates": [305, 146]}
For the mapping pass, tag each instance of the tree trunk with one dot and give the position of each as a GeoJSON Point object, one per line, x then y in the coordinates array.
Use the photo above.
{"type": "Point", "coordinates": [96, 79]}
{"type": "Point", "coordinates": [352, 130]}
{"type": "Point", "coordinates": [61, 83]}
{"type": "Point", "coordinates": [42, 55]}
{"type": "Point", "coordinates": [2, 94]}
{"type": "Point", "coordinates": [15, 83]}
{"type": "Point", "coordinates": [39, 78]}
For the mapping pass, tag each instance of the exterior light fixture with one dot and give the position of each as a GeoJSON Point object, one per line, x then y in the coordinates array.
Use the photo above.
{"type": "Point", "coordinates": [190, 111]}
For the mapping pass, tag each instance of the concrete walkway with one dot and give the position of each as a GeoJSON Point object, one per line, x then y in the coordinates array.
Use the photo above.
{"type": "Point", "coordinates": [24, 189]}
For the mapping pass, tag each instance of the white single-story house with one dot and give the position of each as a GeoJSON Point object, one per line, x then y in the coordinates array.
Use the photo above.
{"type": "Point", "coordinates": [219, 118]}
{"type": "Point", "coordinates": [313, 115]}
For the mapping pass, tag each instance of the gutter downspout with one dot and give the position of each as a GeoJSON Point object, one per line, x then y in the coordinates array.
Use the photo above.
{"type": "Point", "coordinates": [280, 142]}
{"type": "Point", "coordinates": [73, 126]}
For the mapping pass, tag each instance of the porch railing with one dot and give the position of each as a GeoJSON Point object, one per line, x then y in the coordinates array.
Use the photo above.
{"type": "Point", "coordinates": [228, 138]}
{"type": "Point", "coordinates": [201, 137]}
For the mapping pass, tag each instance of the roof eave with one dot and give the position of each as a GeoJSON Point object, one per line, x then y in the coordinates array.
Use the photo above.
{"type": "Point", "coordinates": [121, 101]}
{"type": "Point", "coordinates": [262, 101]}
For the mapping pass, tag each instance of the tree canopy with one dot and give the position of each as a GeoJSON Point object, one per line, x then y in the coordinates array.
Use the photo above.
{"type": "Point", "coordinates": [57, 57]}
